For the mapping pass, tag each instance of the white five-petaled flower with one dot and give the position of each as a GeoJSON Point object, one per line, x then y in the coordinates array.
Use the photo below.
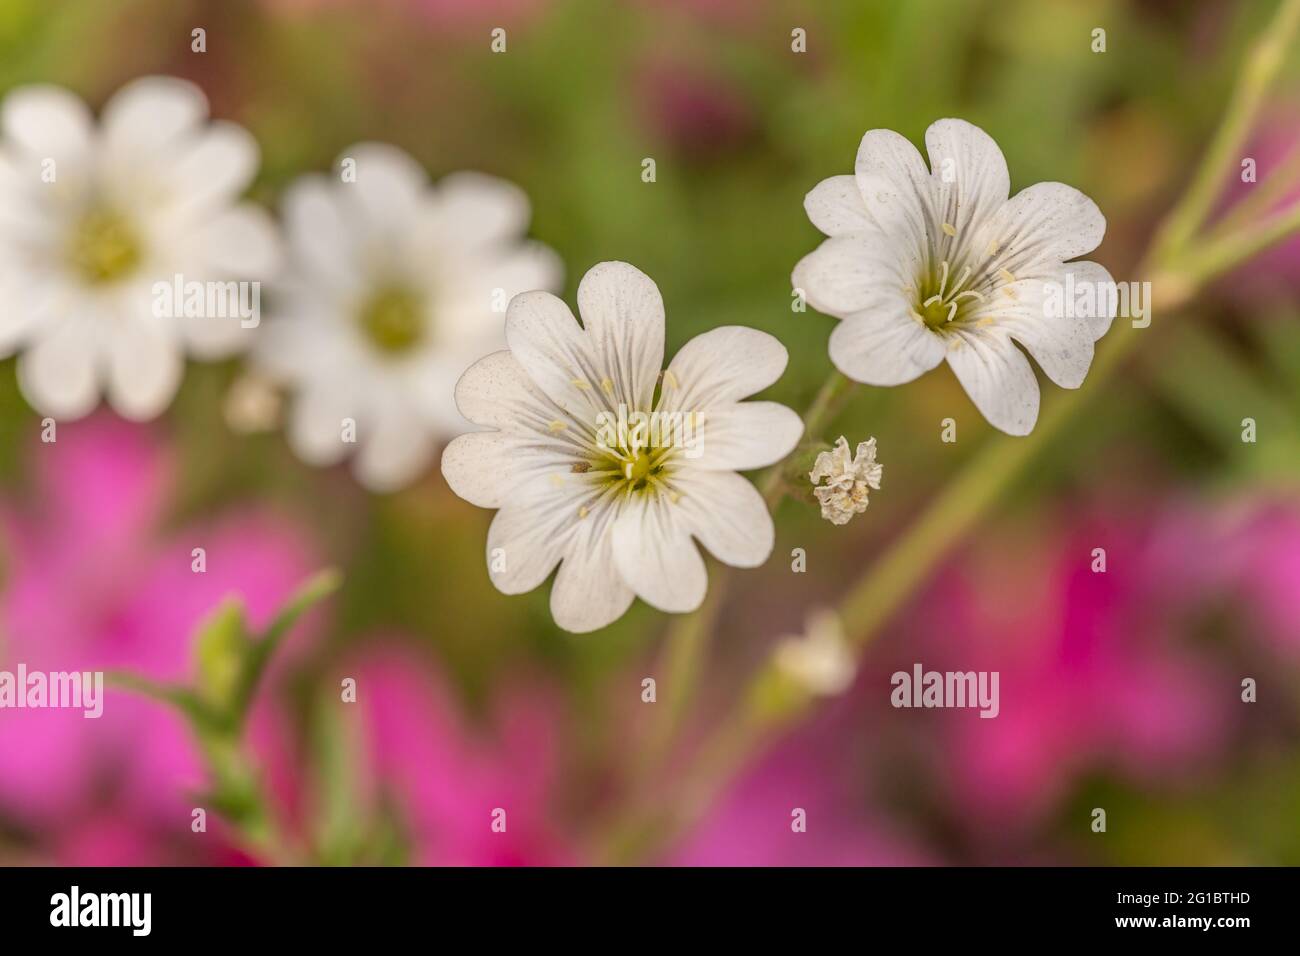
{"type": "Point", "coordinates": [923, 265]}
{"type": "Point", "coordinates": [848, 477]}
{"type": "Point", "coordinates": [617, 508]}
{"type": "Point", "coordinates": [393, 288]}
{"type": "Point", "coordinates": [819, 660]}
{"type": "Point", "coordinates": [93, 217]}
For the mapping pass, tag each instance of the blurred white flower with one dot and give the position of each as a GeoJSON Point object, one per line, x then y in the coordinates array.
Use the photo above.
{"type": "Point", "coordinates": [616, 509]}
{"type": "Point", "coordinates": [848, 478]}
{"type": "Point", "coordinates": [924, 265]}
{"type": "Point", "coordinates": [92, 216]}
{"type": "Point", "coordinates": [393, 288]}
{"type": "Point", "coordinates": [820, 660]}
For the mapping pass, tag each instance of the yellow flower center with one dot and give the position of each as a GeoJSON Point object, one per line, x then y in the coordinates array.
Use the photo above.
{"type": "Point", "coordinates": [104, 247]}
{"type": "Point", "coordinates": [393, 320]}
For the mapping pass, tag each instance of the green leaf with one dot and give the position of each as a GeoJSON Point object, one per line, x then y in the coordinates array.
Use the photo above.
{"type": "Point", "coordinates": [220, 650]}
{"type": "Point", "coordinates": [260, 651]}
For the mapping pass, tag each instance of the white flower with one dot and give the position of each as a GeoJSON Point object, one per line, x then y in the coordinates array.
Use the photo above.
{"type": "Point", "coordinates": [820, 659]}
{"type": "Point", "coordinates": [92, 216]}
{"type": "Point", "coordinates": [925, 265]}
{"type": "Point", "coordinates": [394, 288]}
{"type": "Point", "coordinates": [847, 477]}
{"type": "Point", "coordinates": [615, 508]}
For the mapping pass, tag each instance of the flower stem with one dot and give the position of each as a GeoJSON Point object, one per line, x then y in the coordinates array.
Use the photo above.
{"type": "Point", "coordinates": [891, 581]}
{"type": "Point", "coordinates": [1258, 72]}
{"type": "Point", "coordinates": [1222, 254]}
{"type": "Point", "coordinates": [687, 638]}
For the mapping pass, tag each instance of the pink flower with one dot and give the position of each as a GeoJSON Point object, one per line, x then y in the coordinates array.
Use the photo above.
{"type": "Point", "coordinates": [1276, 270]}
{"type": "Point", "coordinates": [96, 581]}
{"type": "Point", "coordinates": [820, 770]}
{"type": "Point", "coordinates": [1094, 671]}
{"type": "Point", "coordinates": [698, 113]}
{"type": "Point", "coordinates": [451, 779]}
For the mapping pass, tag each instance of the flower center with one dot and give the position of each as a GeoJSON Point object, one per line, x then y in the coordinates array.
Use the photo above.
{"type": "Point", "coordinates": [638, 470]}
{"type": "Point", "coordinates": [943, 296]}
{"type": "Point", "coordinates": [393, 319]}
{"type": "Point", "coordinates": [630, 467]}
{"type": "Point", "coordinates": [104, 247]}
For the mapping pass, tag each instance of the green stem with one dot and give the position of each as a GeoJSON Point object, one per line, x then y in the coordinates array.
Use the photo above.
{"type": "Point", "coordinates": [1222, 255]}
{"type": "Point", "coordinates": [1263, 196]}
{"type": "Point", "coordinates": [1259, 70]}
{"type": "Point", "coordinates": [895, 577]}
{"type": "Point", "coordinates": [687, 638]}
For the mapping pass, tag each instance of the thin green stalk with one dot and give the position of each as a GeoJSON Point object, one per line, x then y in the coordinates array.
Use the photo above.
{"type": "Point", "coordinates": [1221, 255]}
{"type": "Point", "coordinates": [1262, 196]}
{"type": "Point", "coordinates": [685, 644]}
{"type": "Point", "coordinates": [1258, 72]}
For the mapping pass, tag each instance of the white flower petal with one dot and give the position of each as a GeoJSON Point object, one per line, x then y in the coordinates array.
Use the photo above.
{"type": "Point", "coordinates": [656, 556]}
{"type": "Point", "coordinates": [390, 187]}
{"type": "Point", "coordinates": [467, 291]}
{"type": "Point", "coordinates": [145, 366]}
{"type": "Point", "coordinates": [471, 210]}
{"type": "Point", "coordinates": [495, 392]}
{"type": "Point", "coordinates": [969, 177]}
{"type": "Point", "coordinates": [997, 377]}
{"type": "Point", "coordinates": [1045, 224]}
{"type": "Point", "coordinates": [623, 314]}
{"type": "Point", "coordinates": [1060, 343]}
{"type": "Point", "coordinates": [547, 341]}
{"type": "Point", "coordinates": [150, 114]}
{"type": "Point", "coordinates": [848, 274]}
{"type": "Point", "coordinates": [58, 374]}
{"type": "Point", "coordinates": [1100, 280]}
{"type": "Point", "coordinates": [895, 186]}
{"type": "Point", "coordinates": [526, 540]}
{"type": "Point", "coordinates": [321, 238]}
{"type": "Point", "coordinates": [727, 515]}
{"type": "Point", "coordinates": [836, 207]}
{"type": "Point", "coordinates": [48, 122]}
{"type": "Point", "coordinates": [394, 451]}
{"type": "Point", "coordinates": [315, 426]}
{"type": "Point", "coordinates": [588, 592]}
{"type": "Point", "coordinates": [486, 468]}
{"type": "Point", "coordinates": [885, 346]}
{"type": "Point", "coordinates": [27, 302]}
{"type": "Point", "coordinates": [746, 435]}
{"type": "Point", "coordinates": [237, 243]}
{"type": "Point", "coordinates": [722, 366]}
{"type": "Point", "coordinates": [211, 170]}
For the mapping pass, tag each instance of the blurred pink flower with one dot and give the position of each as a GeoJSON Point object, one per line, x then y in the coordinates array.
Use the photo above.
{"type": "Point", "coordinates": [822, 770]}
{"type": "Point", "coordinates": [1257, 555]}
{"type": "Point", "coordinates": [698, 113]}
{"type": "Point", "coordinates": [1094, 673]}
{"type": "Point", "coordinates": [1276, 142]}
{"type": "Point", "coordinates": [448, 777]}
{"type": "Point", "coordinates": [95, 581]}
{"type": "Point", "coordinates": [505, 13]}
